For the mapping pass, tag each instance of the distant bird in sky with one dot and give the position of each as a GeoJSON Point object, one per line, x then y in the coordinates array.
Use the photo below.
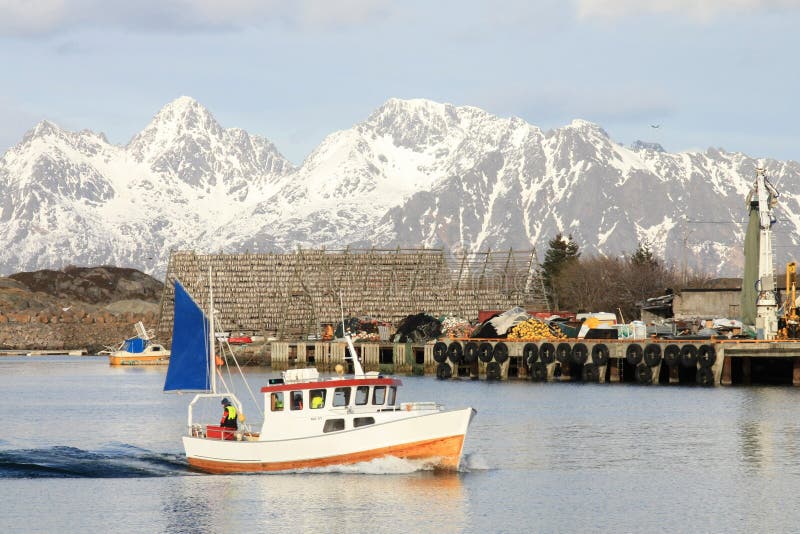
{"type": "Point", "coordinates": [655, 126]}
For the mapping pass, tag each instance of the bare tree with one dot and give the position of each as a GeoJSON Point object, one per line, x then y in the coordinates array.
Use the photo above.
{"type": "Point", "coordinates": [614, 284]}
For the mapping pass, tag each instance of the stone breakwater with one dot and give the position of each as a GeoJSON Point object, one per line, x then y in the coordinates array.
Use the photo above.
{"type": "Point", "coordinates": [69, 330]}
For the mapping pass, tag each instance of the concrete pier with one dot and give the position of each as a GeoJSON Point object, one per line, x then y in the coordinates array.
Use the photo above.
{"type": "Point", "coordinates": [645, 361]}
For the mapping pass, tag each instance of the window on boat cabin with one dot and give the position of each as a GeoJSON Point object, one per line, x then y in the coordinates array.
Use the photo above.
{"type": "Point", "coordinates": [155, 348]}
{"type": "Point", "coordinates": [362, 395]}
{"type": "Point", "coordinates": [363, 421]}
{"type": "Point", "coordinates": [317, 397]}
{"type": "Point", "coordinates": [276, 401]}
{"type": "Point", "coordinates": [379, 395]}
{"type": "Point", "coordinates": [297, 400]}
{"type": "Point", "coordinates": [332, 425]}
{"type": "Point", "coordinates": [392, 396]}
{"type": "Point", "coordinates": [341, 396]}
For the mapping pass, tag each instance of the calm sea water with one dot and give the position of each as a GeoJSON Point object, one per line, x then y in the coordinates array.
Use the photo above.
{"type": "Point", "coordinates": [89, 448]}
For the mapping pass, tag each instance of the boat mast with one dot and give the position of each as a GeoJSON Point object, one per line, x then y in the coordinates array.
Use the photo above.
{"type": "Point", "coordinates": [357, 369]}
{"type": "Point", "coordinates": [211, 360]}
{"type": "Point", "coordinates": [766, 304]}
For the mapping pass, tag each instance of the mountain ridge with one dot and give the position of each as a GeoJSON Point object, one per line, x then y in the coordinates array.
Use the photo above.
{"type": "Point", "coordinates": [413, 173]}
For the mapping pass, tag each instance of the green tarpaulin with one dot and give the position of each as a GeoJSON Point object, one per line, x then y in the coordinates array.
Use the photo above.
{"type": "Point", "coordinates": [749, 293]}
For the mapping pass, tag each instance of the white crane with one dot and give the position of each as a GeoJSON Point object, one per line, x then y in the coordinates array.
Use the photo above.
{"type": "Point", "coordinates": [766, 195]}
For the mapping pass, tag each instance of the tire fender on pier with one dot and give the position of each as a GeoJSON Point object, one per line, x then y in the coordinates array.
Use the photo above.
{"type": "Point", "coordinates": [538, 371]}
{"type": "Point", "coordinates": [590, 373]}
{"type": "Point", "coordinates": [644, 374]}
{"type": "Point", "coordinates": [500, 352]}
{"type": "Point", "coordinates": [547, 353]}
{"type": "Point", "coordinates": [443, 371]}
{"type": "Point", "coordinates": [470, 353]}
{"type": "Point", "coordinates": [492, 371]}
{"type": "Point", "coordinates": [580, 353]}
{"type": "Point", "coordinates": [672, 355]}
{"type": "Point", "coordinates": [485, 351]}
{"type": "Point", "coordinates": [652, 354]}
{"type": "Point", "coordinates": [706, 355]}
{"type": "Point", "coordinates": [440, 352]}
{"type": "Point", "coordinates": [564, 353]}
{"type": "Point", "coordinates": [455, 353]}
{"type": "Point", "coordinates": [600, 354]}
{"type": "Point", "coordinates": [689, 355]}
{"type": "Point", "coordinates": [530, 352]}
{"type": "Point", "coordinates": [634, 354]}
{"type": "Point", "coordinates": [704, 376]}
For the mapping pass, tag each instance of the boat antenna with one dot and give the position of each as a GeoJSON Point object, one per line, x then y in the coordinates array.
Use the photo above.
{"type": "Point", "coordinates": [341, 309]}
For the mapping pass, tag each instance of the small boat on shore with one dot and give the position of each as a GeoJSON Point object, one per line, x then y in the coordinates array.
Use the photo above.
{"type": "Point", "coordinates": [308, 421]}
{"type": "Point", "coordinates": [139, 350]}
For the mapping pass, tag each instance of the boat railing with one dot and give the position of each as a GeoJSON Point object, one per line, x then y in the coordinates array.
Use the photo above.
{"type": "Point", "coordinates": [361, 409]}
{"type": "Point", "coordinates": [222, 434]}
{"type": "Point", "coordinates": [414, 406]}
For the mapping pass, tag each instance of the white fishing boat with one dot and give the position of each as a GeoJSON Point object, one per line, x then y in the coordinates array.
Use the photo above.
{"type": "Point", "coordinates": [139, 350]}
{"type": "Point", "coordinates": [308, 421]}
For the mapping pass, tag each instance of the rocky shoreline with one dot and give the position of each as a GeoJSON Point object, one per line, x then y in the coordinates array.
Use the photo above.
{"type": "Point", "coordinates": [20, 331]}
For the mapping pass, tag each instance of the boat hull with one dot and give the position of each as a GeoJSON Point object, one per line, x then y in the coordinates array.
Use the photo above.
{"type": "Point", "coordinates": [138, 359]}
{"type": "Point", "coordinates": [436, 437]}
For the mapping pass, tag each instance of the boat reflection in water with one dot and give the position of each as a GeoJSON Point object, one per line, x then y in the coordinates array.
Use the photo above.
{"type": "Point", "coordinates": [330, 500]}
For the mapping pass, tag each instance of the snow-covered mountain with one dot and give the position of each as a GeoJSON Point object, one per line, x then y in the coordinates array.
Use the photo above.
{"type": "Point", "coordinates": [414, 173]}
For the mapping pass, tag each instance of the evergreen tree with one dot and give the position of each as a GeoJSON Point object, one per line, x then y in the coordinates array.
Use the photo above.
{"type": "Point", "coordinates": [560, 252]}
{"type": "Point", "coordinates": [643, 255]}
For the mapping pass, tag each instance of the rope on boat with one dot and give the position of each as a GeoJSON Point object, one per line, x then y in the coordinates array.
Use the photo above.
{"type": "Point", "coordinates": [244, 379]}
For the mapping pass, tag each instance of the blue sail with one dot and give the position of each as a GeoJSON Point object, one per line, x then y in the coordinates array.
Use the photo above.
{"type": "Point", "coordinates": [188, 362]}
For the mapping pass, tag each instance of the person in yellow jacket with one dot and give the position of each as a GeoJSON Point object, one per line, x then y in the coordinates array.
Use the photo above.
{"type": "Point", "coordinates": [228, 415]}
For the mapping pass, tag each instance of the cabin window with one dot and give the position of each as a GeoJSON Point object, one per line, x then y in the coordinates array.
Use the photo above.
{"type": "Point", "coordinates": [392, 396]}
{"type": "Point", "coordinates": [276, 401]}
{"type": "Point", "coordinates": [363, 421]}
{"type": "Point", "coordinates": [341, 396]}
{"type": "Point", "coordinates": [362, 395]}
{"type": "Point", "coordinates": [297, 400]}
{"type": "Point", "coordinates": [155, 348]}
{"type": "Point", "coordinates": [379, 395]}
{"type": "Point", "coordinates": [317, 397]}
{"type": "Point", "coordinates": [333, 425]}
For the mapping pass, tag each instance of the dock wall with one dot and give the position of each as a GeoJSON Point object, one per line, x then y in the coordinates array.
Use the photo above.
{"type": "Point", "coordinates": [647, 361]}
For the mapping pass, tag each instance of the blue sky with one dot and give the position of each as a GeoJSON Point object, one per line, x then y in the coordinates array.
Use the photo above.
{"type": "Point", "coordinates": [713, 73]}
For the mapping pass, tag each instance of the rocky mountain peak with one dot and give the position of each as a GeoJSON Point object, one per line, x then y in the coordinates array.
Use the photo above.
{"type": "Point", "coordinates": [415, 124]}
{"type": "Point", "coordinates": [585, 127]}
{"type": "Point", "coordinates": [183, 123]}
{"type": "Point", "coordinates": [43, 129]}
{"type": "Point", "coordinates": [647, 145]}
{"type": "Point", "coordinates": [44, 132]}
